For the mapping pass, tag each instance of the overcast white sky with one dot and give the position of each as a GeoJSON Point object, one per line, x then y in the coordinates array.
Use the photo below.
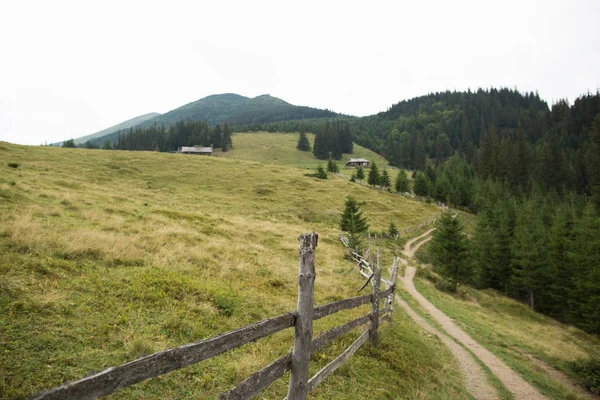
{"type": "Point", "coordinates": [71, 68]}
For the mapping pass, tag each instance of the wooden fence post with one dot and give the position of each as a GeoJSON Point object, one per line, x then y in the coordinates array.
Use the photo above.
{"type": "Point", "coordinates": [373, 334]}
{"type": "Point", "coordinates": [393, 275]}
{"type": "Point", "coordinates": [303, 329]}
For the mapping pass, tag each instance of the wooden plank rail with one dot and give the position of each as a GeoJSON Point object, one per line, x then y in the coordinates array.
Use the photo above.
{"type": "Point", "coordinates": [340, 305]}
{"type": "Point", "coordinates": [115, 378]}
{"type": "Point", "coordinates": [258, 381]}
{"type": "Point", "coordinates": [332, 366]}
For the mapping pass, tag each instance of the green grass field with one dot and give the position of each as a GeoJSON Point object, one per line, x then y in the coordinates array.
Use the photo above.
{"type": "Point", "coordinates": [108, 255]}
{"type": "Point", "coordinates": [280, 148]}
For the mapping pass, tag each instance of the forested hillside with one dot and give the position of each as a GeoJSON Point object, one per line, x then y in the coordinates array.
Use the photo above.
{"type": "Point", "coordinates": [238, 110]}
{"type": "Point", "coordinates": [532, 173]}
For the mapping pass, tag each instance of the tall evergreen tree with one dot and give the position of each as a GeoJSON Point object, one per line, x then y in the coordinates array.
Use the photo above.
{"type": "Point", "coordinates": [320, 148]}
{"type": "Point", "coordinates": [217, 136]}
{"type": "Point", "coordinates": [226, 142]}
{"type": "Point", "coordinates": [449, 249]}
{"type": "Point", "coordinates": [529, 247]}
{"type": "Point", "coordinates": [421, 184]}
{"type": "Point", "coordinates": [385, 181]}
{"type": "Point", "coordinates": [353, 221]}
{"type": "Point", "coordinates": [303, 143]}
{"type": "Point", "coordinates": [373, 178]}
{"type": "Point", "coordinates": [360, 174]}
{"type": "Point", "coordinates": [402, 184]}
{"type": "Point", "coordinates": [594, 169]}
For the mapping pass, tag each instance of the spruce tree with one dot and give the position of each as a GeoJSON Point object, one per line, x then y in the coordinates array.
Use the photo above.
{"type": "Point", "coordinates": [107, 145]}
{"type": "Point", "coordinates": [385, 179]}
{"type": "Point", "coordinates": [352, 219]}
{"type": "Point", "coordinates": [373, 174]}
{"type": "Point", "coordinates": [402, 184]}
{"type": "Point", "coordinates": [226, 142]}
{"type": "Point", "coordinates": [303, 143]}
{"type": "Point", "coordinates": [321, 174]}
{"type": "Point", "coordinates": [594, 164]}
{"type": "Point", "coordinates": [360, 174]}
{"type": "Point", "coordinates": [217, 136]}
{"type": "Point", "coordinates": [449, 250]}
{"type": "Point", "coordinates": [529, 249]}
{"type": "Point", "coordinates": [320, 148]}
{"type": "Point", "coordinates": [584, 302]}
{"type": "Point", "coordinates": [421, 184]}
{"type": "Point", "coordinates": [332, 166]}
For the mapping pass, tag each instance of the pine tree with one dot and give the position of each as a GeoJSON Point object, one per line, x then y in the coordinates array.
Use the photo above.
{"type": "Point", "coordinates": [449, 250]}
{"type": "Point", "coordinates": [321, 174]}
{"type": "Point", "coordinates": [360, 174]}
{"type": "Point", "coordinates": [352, 219]}
{"type": "Point", "coordinates": [584, 302]}
{"type": "Point", "coordinates": [385, 179]}
{"type": "Point", "coordinates": [421, 184]}
{"type": "Point", "coordinates": [226, 142]}
{"type": "Point", "coordinates": [402, 184]}
{"type": "Point", "coordinates": [332, 166]}
{"type": "Point", "coordinates": [373, 174]}
{"type": "Point", "coordinates": [529, 246]}
{"type": "Point", "coordinates": [594, 167]}
{"type": "Point", "coordinates": [303, 143]}
{"type": "Point", "coordinates": [320, 148]}
{"type": "Point", "coordinates": [107, 145]}
{"type": "Point", "coordinates": [217, 136]}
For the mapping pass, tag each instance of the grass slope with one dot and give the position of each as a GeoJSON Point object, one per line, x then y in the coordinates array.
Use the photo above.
{"type": "Point", "coordinates": [108, 255]}
{"type": "Point", "coordinates": [280, 148]}
{"type": "Point", "coordinates": [512, 331]}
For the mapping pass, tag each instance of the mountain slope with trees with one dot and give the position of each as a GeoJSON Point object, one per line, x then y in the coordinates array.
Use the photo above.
{"type": "Point", "coordinates": [100, 135]}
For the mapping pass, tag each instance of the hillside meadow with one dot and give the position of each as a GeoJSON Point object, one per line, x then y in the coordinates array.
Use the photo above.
{"type": "Point", "coordinates": [109, 255]}
{"type": "Point", "coordinates": [280, 148]}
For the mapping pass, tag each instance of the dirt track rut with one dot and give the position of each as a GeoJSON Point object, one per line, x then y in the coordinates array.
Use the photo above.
{"type": "Point", "coordinates": [475, 379]}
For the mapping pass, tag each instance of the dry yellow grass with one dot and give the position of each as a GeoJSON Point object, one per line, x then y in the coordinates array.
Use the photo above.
{"type": "Point", "coordinates": [106, 255]}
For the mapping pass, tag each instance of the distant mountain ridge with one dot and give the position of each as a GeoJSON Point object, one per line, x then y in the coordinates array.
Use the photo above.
{"type": "Point", "coordinates": [130, 123]}
{"type": "Point", "coordinates": [239, 110]}
{"type": "Point", "coordinates": [218, 108]}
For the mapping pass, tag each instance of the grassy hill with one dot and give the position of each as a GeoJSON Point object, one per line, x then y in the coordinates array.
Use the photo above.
{"type": "Point", "coordinates": [280, 148]}
{"type": "Point", "coordinates": [107, 255]}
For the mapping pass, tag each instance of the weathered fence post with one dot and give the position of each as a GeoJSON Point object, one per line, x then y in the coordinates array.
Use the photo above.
{"type": "Point", "coordinates": [393, 275]}
{"type": "Point", "coordinates": [373, 335]}
{"type": "Point", "coordinates": [303, 329]}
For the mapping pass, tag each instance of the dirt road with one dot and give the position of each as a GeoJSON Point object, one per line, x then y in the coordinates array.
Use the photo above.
{"type": "Point", "coordinates": [513, 382]}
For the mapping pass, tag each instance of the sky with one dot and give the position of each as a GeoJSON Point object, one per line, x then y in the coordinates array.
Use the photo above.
{"type": "Point", "coordinates": [72, 68]}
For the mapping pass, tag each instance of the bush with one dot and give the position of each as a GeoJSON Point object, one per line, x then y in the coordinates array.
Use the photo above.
{"type": "Point", "coordinates": [589, 373]}
{"type": "Point", "coordinates": [13, 164]}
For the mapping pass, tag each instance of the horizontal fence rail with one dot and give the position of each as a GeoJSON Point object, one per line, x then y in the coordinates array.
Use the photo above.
{"type": "Point", "coordinates": [115, 378]}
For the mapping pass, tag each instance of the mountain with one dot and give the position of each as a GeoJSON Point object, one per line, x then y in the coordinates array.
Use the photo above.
{"type": "Point", "coordinates": [232, 108]}
{"type": "Point", "coordinates": [239, 110]}
{"type": "Point", "coordinates": [130, 123]}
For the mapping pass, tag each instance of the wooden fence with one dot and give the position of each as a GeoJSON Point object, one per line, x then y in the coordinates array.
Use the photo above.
{"type": "Point", "coordinates": [115, 378]}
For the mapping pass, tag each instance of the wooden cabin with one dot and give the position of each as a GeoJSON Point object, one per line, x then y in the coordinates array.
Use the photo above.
{"type": "Point", "coordinates": [201, 151]}
{"type": "Point", "coordinates": [357, 162]}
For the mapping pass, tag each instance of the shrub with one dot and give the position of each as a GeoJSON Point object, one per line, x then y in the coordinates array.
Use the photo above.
{"type": "Point", "coordinates": [13, 164]}
{"type": "Point", "coordinates": [589, 373]}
